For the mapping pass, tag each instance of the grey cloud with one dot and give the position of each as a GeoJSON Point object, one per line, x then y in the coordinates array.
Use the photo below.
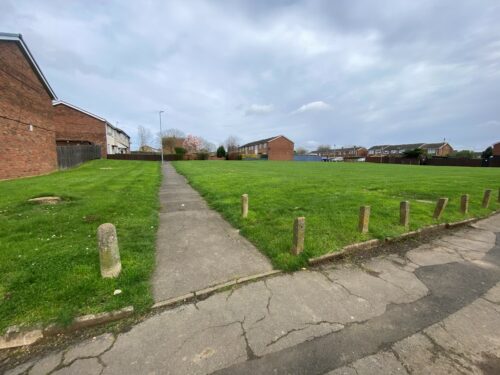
{"type": "Point", "coordinates": [392, 71]}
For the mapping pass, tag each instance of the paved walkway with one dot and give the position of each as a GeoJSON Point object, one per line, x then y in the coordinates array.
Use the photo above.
{"type": "Point", "coordinates": [434, 310]}
{"type": "Point", "coordinates": [196, 248]}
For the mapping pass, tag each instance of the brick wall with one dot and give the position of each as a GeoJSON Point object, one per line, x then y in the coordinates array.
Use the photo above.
{"type": "Point", "coordinates": [280, 149]}
{"type": "Point", "coordinates": [77, 127]}
{"type": "Point", "coordinates": [24, 150]}
{"type": "Point", "coordinates": [496, 149]}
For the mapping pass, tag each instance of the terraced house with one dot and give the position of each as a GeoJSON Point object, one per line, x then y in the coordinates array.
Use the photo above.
{"type": "Point", "coordinates": [274, 148]}
{"type": "Point", "coordinates": [27, 132]}
{"type": "Point", "coordinates": [432, 149]}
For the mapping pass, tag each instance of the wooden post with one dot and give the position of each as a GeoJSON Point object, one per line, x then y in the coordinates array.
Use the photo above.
{"type": "Point", "coordinates": [486, 198]}
{"type": "Point", "coordinates": [404, 213]}
{"type": "Point", "coordinates": [464, 204]}
{"type": "Point", "coordinates": [109, 253]}
{"type": "Point", "coordinates": [440, 206]}
{"type": "Point", "coordinates": [364, 219]}
{"type": "Point", "coordinates": [299, 228]}
{"type": "Point", "coordinates": [244, 205]}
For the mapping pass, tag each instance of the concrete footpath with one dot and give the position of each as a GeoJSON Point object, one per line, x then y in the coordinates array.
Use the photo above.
{"type": "Point", "coordinates": [433, 310]}
{"type": "Point", "coordinates": [195, 247]}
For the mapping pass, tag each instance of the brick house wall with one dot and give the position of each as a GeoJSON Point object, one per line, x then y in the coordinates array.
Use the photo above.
{"type": "Point", "coordinates": [445, 150]}
{"type": "Point", "coordinates": [27, 134]}
{"type": "Point", "coordinates": [496, 149]}
{"type": "Point", "coordinates": [73, 127]}
{"type": "Point", "coordinates": [280, 148]}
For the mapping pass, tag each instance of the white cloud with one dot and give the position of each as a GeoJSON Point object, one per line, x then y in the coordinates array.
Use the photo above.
{"type": "Point", "coordinates": [314, 106]}
{"type": "Point", "coordinates": [259, 109]}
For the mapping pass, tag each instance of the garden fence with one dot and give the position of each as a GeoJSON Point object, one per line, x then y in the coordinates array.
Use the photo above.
{"type": "Point", "coordinates": [71, 156]}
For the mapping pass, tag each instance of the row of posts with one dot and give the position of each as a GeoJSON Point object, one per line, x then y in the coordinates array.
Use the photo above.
{"type": "Point", "coordinates": [299, 225]}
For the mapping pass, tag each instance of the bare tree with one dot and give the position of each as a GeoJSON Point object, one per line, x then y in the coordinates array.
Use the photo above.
{"type": "Point", "coordinates": [232, 143]}
{"type": "Point", "coordinates": [207, 146]}
{"type": "Point", "coordinates": [144, 135]}
{"type": "Point", "coordinates": [301, 151]}
{"type": "Point", "coordinates": [172, 138]}
{"type": "Point", "coordinates": [174, 133]}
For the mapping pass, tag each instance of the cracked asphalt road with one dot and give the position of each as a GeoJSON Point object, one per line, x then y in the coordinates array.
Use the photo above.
{"type": "Point", "coordinates": [434, 310]}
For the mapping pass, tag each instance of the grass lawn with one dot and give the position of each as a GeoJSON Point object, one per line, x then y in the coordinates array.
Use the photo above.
{"type": "Point", "coordinates": [49, 260]}
{"type": "Point", "coordinates": [329, 196]}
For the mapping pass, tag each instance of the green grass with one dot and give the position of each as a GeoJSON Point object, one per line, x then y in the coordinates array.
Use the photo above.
{"type": "Point", "coordinates": [329, 196]}
{"type": "Point", "coordinates": [49, 260]}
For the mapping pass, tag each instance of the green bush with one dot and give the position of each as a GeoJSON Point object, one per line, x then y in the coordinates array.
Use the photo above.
{"type": "Point", "coordinates": [202, 156]}
{"type": "Point", "coordinates": [180, 151]}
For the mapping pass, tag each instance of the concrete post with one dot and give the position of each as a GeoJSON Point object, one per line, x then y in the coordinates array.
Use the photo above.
{"type": "Point", "coordinates": [364, 219]}
{"type": "Point", "coordinates": [440, 206]}
{"type": "Point", "coordinates": [464, 204]}
{"type": "Point", "coordinates": [404, 213]}
{"type": "Point", "coordinates": [244, 205]}
{"type": "Point", "coordinates": [486, 198]}
{"type": "Point", "coordinates": [299, 228]}
{"type": "Point", "coordinates": [109, 253]}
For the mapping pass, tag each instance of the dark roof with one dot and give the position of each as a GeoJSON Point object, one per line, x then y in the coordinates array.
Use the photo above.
{"type": "Point", "coordinates": [434, 145]}
{"type": "Point", "coordinates": [409, 146]}
{"type": "Point", "coordinates": [378, 147]}
{"type": "Point", "coordinates": [354, 148]}
{"type": "Point", "coordinates": [259, 142]}
{"type": "Point", "coordinates": [18, 38]}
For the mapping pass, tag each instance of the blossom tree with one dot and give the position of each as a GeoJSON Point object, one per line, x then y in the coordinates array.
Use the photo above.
{"type": "Point", "coordinates": [192, 143]}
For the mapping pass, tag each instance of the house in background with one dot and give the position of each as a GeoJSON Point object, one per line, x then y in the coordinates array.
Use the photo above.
{"type": "Point", "coordinates": [118, 142]}
{"type": "Point", "coordinates": [76, 126]}
{"type": "Point", "coordinates": [432, 149]}
{"type": "Point", "coordinates": [27, 141]}
{"type": "Point", "coordinates": [496, 149]}
{"type": "Point", "coordinates": [275, 148]}
{"type": "Point", "coordinates": [354, 152]}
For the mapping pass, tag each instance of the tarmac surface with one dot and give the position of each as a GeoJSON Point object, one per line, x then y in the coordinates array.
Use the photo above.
{"type": "Point", "coordinates": [433, 310]}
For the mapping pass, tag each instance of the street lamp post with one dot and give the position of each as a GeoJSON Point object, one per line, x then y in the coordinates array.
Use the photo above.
{"type": "Point", "coordinates": [161, 136]}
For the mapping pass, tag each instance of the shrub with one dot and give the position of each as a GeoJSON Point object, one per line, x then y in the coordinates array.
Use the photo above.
{"type": "Point", "coordinates": [202, 156]}
{"type": "Point", "coordinates": [180, 151]}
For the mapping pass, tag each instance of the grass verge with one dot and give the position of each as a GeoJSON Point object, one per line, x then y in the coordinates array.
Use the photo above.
{"type": "Point", "coordinates": [329, 196]}
{"type": "Point", "coordinates": [49, 261]}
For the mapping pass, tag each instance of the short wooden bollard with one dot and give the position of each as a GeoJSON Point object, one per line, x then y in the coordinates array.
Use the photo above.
{"type": "Point", "coordinates": [299, 229]}
{"type": "Point", "coordinates": [244, 205]}
{"type": "Point", "coordinates": [464, 204]}
{"type": "Point", "coordinates": [364, 219]}
{"type": "Point", "coordinates": [440, 206]}
{"type": "Point", "coordinates": [109, 252]}
{"type": "Point", "coordinates": [404, 213]}
{"type": "Point", "coordinates": [486, 198]}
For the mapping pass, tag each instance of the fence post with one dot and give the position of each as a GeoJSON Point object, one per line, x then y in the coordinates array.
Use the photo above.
{"type": "Point", "coordinates": [244, 205]}
{"type": "Point", "coordinates": [440, 206]}
{"type": "Point", "coordinates": [464, 204]}
{"type": "Point", "coordinates": [299, 228]}
{"type": "Point", "coordinates": [404, 213]}
{"type": "Point", "coordinates": [364, 219]}
{"type": "Point", "coordinates": [486, 198]}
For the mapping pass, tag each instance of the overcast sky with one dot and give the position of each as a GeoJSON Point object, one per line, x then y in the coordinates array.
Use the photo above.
{"type": "Point", "coordinates": [337, 72]}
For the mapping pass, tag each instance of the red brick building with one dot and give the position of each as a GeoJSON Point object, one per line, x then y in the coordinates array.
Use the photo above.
{"type": "Point", "coordinates": [496, 149]}
{"type": "Point", "coordinates": [75, 126]}
{"type": "Point", "coordinates": [27, 133]}
{"type": "Point", "coordinates": [276, 148]}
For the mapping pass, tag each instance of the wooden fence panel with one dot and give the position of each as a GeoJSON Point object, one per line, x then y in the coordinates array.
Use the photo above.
{"type": "Point", "coordinates": [71, 156]}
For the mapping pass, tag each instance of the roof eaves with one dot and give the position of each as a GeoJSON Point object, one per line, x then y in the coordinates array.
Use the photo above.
{"type": "Point", "coordinates": [19, 39]}
{"type": "Point", "coordinates": [59, 102]}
